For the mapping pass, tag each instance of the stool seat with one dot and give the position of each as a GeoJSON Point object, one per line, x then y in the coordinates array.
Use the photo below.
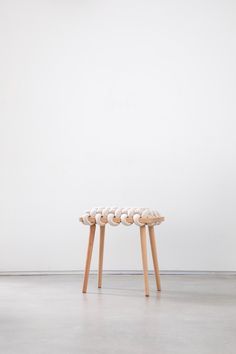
{"type": "Point", "coordinates": [114, 216]}
{"type": "Point", "coordinates": [117, 215]}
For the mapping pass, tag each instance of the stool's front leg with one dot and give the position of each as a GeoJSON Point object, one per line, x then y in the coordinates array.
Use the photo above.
{"type": "Point", "coordinates": [144, 257]}
{"type": "Point", "coordinates": [154, 256]}
{"type": "Point", "coordinates": [101, 250]}
{"type": "Point", "coordinates": [89, 256]}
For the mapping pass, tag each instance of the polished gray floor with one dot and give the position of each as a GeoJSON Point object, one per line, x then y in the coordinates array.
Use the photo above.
{"type": "Point", "coordinates": [49, 314]}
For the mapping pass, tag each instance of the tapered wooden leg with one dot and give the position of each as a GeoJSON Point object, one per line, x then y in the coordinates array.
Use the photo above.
{"type": "Point", "coordinates": [144, 258]}
{"type": "Point", "coordinates": [101, 249]}
{"type": "Point", "coordinates": [89, 256]}
{"type": "Point", "coordinates": [154, 256]}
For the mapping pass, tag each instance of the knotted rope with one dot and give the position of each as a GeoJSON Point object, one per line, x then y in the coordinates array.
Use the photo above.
{"type": "Point", "coordinates": [127, 216]}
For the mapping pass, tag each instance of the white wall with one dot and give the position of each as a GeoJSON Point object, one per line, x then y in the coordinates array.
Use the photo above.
{"type": "Point", "coordinates": [117, 102]}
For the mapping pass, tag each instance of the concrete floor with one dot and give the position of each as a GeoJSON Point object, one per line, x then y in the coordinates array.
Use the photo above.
{"type": "Point", "coordinates": [49, 314]}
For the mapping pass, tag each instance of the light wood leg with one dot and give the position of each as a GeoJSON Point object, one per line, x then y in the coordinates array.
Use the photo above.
{"type": "Point", "coordinates": [89, 256]}
{"type": "Point", "coordinates": [144, 258]}
{"type": "Point", "coordinates": [154, 256]}
{"type": "Point", "coordinates": [101, 249]}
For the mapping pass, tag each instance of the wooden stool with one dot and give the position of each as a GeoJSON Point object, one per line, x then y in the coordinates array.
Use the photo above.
{"type": "Point", "coordinates": [142, 217]}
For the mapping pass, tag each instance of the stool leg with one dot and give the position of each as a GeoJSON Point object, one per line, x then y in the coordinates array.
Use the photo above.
{"type": "Point", "coordinates": [101, 249]}
{"type": "Point", "coordinates": [154, 256]}
{"type": "Point", "coordinates": [89, 256]}
{"type": "Point", "coordinates": [144, 258]}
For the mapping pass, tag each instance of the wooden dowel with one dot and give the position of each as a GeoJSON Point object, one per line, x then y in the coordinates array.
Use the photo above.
{"type": "Point", "coordinates": [89, 256]}
{"type": "Point", "coordinates": [154, 256]}
{"type": "Point", "coordinates": [144, 258]}
{"type": "Point", "coordinates": [101, 251]}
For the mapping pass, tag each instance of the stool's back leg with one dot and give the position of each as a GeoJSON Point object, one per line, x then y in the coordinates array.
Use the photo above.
{"type": "Point", "coordinates": [144, 258]}
{"type": "Point", "coordinates": [89, 256]}
{"type": "Point", "coordinates": [154, 256]}
{"type": "Point", "coordinates": [101, 250]}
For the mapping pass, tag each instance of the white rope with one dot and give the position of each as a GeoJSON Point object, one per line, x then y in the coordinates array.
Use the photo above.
{"type": "Point", "coordinates": [111, 221]}
{"type": "Point", "coordinates": [136, 218]}
{"type": "Point", "coordinates": [98, 220]}
{"type": "Point", "coordinates": [86, 220]}
{"type": "Point", "coordinates": [123, 220]}
{"type": "Point", "coordinates": [122, 213]}
{"type": "Point", "coordinates": [118, 212]}
{"type": "Point", "coordinates": [131, 212]}
{"type": "Point", "coordinates": [105, 211]}
{"type": "Point", "coordinates": [93, 212]}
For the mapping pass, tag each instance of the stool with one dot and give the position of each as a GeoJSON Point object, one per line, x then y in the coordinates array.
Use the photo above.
{"type": "Point", "coordinates": [115, 216]}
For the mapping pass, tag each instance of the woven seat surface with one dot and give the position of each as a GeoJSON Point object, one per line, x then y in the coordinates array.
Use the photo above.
{"type": "Point", "coordinates": [118, 215]}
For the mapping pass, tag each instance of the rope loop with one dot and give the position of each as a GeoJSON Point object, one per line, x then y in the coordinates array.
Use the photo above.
{"type": "Point", "coordinates": [123, 220]}
{"type": "Point", "coordinates": [136, 218]}
{"type": "Point", "coordinates": [98, 219]}
{"type": "Point", "coordinates": [86, 220]}
{"type": "Point", "coordinates": [110, 218]}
